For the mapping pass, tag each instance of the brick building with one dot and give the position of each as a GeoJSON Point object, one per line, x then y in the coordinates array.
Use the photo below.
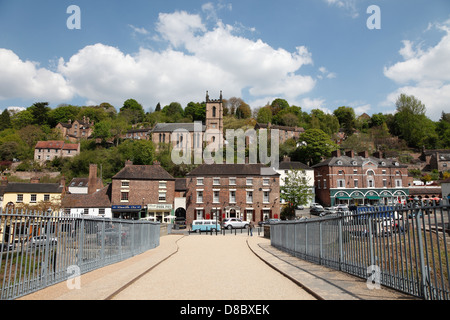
{"type": "Point", "coordinates": [49, 150]}
{"type": "Point", "coordinates": [142, 192]}
{"type": "Point", "coordinates": [232, 190]}
{"type": "Point", "coordinates": [76, 130]}
{"type": "Point", "coordinates": [361, 180]}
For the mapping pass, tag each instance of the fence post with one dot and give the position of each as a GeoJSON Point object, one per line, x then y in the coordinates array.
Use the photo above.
{"type": "Point", "coordinates": [372, 257]}
{"type": "Point", "coordinates": [320, 243]}
{"type": "Point", "coordinates": [341, 253]}
{"type": "Point", "coordinates": [421, 256]}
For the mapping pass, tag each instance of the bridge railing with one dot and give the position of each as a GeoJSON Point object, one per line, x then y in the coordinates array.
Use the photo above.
{"type": "Point", "coordinates": [402, 247]}
{"type": "Point", "coordinates": [41, 249]}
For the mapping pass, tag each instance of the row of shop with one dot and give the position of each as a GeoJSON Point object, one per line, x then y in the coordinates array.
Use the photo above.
{"type": "Point", "coordinates": [374, 197]}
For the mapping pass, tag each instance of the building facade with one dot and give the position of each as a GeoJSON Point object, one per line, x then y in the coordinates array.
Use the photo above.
{"type": "Point", "coordinates": [49, 150]}
{"type": "Point", "coordinates": [143, 192]}
{"type": "Point", "coordinates": [360, 180]}
{"type": "Point", "coordinates": [35, 195]}
{"type": "Point", "coordinates": [76, 130]}
{"type": "Point", "coordinates": [219, 191]}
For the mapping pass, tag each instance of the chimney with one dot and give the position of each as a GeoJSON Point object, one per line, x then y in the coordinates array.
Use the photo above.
{"type": "Point", "coordinates": [62, 182]}
{"type": "Point", "coordinates": [364, 154]}
{"type": "Point", "coordinates": [286, 159]}
{"type": "Point", "coordinates": [128, 163]}
{"type": "Point", "coordinates": [156, 163]}
{"type": "Point", "coordinates": [350, 153]}
{"type": "Point", "coordinates": [378, 154]}
{"type": "Point", "coordinates": [336, 153]}
{"type": "Point", "coordinates": [92, 182]}
{"type": "Point", "coordinates": [35, 180]}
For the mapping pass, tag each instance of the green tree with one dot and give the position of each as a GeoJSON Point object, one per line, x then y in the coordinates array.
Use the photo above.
{"type": "Point", "coordinates": [133, 111]}
{"type": "Point", "coordinates": [264, 115]}
{"type": "Point", "coordinates": [314, 145]}
{"type": "Point", "coordinates": [40, 112]}
{"type": "Point", "coordinates": [243, 111]}
{"type": "Point", "coordinates": [296, 191]}
{"type": "Point", "coordinates": [5, 120]}
{"type": "Point", "coordinates": [278, 105]}
{"type": "Point", "coordinates": [411, 124]}
{"type": "Point", "coordinates": [195, 110]}
{"type": "Point", "coordinates": [346, 117]}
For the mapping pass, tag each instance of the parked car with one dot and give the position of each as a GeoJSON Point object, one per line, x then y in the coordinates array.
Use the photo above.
{"type": "Point", "coordinates": [268, 221]}
{"type": "Point", "coordinates": [42, 241]}
{"type": "Point", "coordinates": [317, 210]}
{"type": "Point", "coordinates": [234, 223]}
{"type": "Point", "coordinates": [342, 207]}
{"type": "Point", "coordinates": [180, 223]}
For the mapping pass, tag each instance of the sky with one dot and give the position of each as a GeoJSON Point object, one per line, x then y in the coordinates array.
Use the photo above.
{"type": "Point", "coordinates": [316, 54]}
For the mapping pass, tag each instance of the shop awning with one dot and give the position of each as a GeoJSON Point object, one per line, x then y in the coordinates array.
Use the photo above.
{"type": "Point", "coordinates": [344, 198]}
{"type": "Point", "coordinates": [373, 197]}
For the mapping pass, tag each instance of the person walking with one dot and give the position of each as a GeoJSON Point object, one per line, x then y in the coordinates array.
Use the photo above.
{"type": "Point", "coordinates": [251, 229]}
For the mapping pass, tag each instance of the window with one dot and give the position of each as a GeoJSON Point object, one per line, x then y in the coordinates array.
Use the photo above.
{"type": "Point", "coordinates": [266, 182]}
{"type": "Point", "coordinates": [101, 211]}
{"type": "Point", "coordinates": [266, 196]}
{"type": "Point", "coordinates": [355, 171]}
{"type": "Point", "coordinates": [341, 183]}
{"type": "Point", "coordinates": [214, 112]}
{"type": "Point", "coordinates": [340, 172]}
{"type": "Point", "coordinates": [232, 181]}
{"type": "Point", "coordinates": [19, 198]}
{"type": "Point", "coordinates": [355, 183]}
{"type": "Point", "coordinates": [383, 172]}
{"type": "Point", "coordinates": [33, 198]}
{"type": "Point", "coordinates": [199, 181]}
{"type": "Point", "coordinates": [86, 211]}
{"type": "Point", "coordinates": [398, 183]}
{"type": "Point", "coordinates": [384, 183]}
{"type": "Point", "coordinates": [162, 196]}
{"type": "Point", "coordinates": [249, 181]}
{"type": "Point", "coordinates": [163, 184]}
{"type": "Point", "coordinates": [370, 183]}
{"type": "Point", "coordinates": [233, 196]}
{"type": "Point", "coordinates": [216, 181]}
{"type": "Point", "coordinates": [324, 183]}
{"type": "Point", "coordinates": [199, 196]}
{"type": "Point", "coordinates": [46, 197]}
{"type": "Point", "coordinates": [216, 196]}
{"type": "Point", "coordinates": [249, 197]}
{"type": "Point", "coordinates": [199, 214]}
{"type": "Point", "coordinates": [124, 196]}
{"type": "Point", "coordinates": [125, 184]}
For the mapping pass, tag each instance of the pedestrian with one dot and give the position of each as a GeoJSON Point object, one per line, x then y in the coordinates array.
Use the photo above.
{"type": "Point", "coordinates": [251, 229]}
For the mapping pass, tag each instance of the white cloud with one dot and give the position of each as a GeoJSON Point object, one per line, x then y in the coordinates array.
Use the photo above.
{"type": "Point", "coordinates": [24, 79]}
{"type": "Point", "coordinates": [197, 58]}
{"type": "Point", "coordinates": [424, 74]}
{"type": "Point", "coordinates": [348, 5]}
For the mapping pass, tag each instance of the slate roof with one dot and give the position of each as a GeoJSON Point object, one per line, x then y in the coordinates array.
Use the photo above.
{"type": "Point", "coordinates": [171, 127]}
{"type": "Point", "coordinates": [358, 161]}
{"type": "Point", "coordinates": [99, 199]}
{"type": "Point", "coordinates": [293, 165]}
{"type": "Point", "coordinates": [16, 187]}
{"type": "Point", "coordinates": [180, 184]}
{"type": "Point", "coordinates": [230, 170]}
{"type": "Point", "coordinates": [137, 172]}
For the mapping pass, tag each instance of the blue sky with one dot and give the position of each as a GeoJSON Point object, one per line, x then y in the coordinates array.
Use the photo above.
{"type": "Point", "coordinates": [313, 53]}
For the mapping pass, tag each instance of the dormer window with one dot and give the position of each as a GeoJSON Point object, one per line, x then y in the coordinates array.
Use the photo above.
{"type": "Point", "coordinates": [339, 162]}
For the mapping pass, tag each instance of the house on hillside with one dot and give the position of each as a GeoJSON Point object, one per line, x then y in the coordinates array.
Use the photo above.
{"type": "Point", "coordinates": [76, 130]}
{"type": "Point", "coordinates": [49, 150]}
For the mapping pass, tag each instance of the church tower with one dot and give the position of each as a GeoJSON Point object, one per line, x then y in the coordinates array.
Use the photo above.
{"type": "Point", "coordinates": [214, 113]}
{"type": "Point", "coordinates": [214, 134]}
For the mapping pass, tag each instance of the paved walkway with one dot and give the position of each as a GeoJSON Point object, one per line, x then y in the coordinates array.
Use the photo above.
{"type": "Point", "coordinates": [237, 267]}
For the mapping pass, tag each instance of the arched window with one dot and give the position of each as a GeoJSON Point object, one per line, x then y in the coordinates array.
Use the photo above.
{"type": "Point", "coordinates": [214, 112]}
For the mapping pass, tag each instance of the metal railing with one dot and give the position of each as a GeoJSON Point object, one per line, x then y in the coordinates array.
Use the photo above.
{"type": "Point", "coordinates": [42, 249]}
{"type": "Point", "coordinates": [402, 247]}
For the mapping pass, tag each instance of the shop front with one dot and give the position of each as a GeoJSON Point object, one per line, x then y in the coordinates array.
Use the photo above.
{"type": "Point", "coordinates": [368, 197]}
{"type": "Point", "coordinates": [160, 212]}
{"type": "Point", "coordinates": [131, 212]}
